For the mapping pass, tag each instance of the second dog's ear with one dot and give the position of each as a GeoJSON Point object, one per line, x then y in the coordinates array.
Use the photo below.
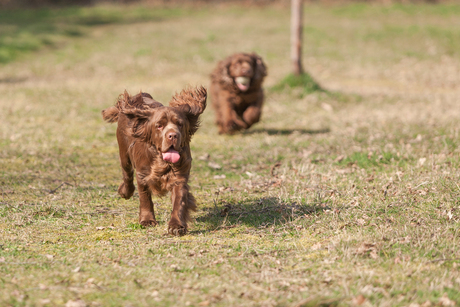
{"type": "Point", "coordinates": [224, 72]}
{"type": "Point", "coordinates": [193, 103]}
{"type": "Point", "coordinates": [260, 70]}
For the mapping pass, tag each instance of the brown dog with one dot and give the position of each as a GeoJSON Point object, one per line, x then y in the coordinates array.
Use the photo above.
{"type": "Point", "coordinates": [236, 91]}
{"type": "Point", "coordinates": [155, 141]}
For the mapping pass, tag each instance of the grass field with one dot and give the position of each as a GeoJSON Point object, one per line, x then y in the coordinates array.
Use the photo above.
{"type": "Point", "coordinates": [342, 197]}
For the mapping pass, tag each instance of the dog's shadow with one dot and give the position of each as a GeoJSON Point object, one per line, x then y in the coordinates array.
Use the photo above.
{"type": "Point", "coordinates": [287, 131]}
{"type": "Point", "coordinates": [255, 213]}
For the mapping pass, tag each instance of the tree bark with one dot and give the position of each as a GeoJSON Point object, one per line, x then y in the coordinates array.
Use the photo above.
{"type": "Point", "coordinates": [296, 36]}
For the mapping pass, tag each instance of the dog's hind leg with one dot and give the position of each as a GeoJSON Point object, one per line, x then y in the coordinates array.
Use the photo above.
{"type": "Point", "coordinates": [183, 202]}
{"type": "Point", "coordinates": [126, 188]}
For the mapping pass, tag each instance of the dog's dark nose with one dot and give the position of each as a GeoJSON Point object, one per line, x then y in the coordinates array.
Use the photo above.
{"type": "Point", "coordinates": [172, 136]}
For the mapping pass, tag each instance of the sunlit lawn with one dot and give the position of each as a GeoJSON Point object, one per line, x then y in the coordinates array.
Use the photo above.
{"type": "Point", "coordinates": [342, 196]}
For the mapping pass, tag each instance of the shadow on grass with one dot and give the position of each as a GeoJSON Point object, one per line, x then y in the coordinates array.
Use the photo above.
{"type": "Point", "coordinates": [288, 131]}
{"type": "Point", "coordinates": [12, 80]}
{"type": "Point", "coordinates": [258, 212]}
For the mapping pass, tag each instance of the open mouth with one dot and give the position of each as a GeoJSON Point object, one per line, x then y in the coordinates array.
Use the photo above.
{"type": "Point", "coordinates": [243, 83]}
{"type": "Point", "coordinates": [171, 155]}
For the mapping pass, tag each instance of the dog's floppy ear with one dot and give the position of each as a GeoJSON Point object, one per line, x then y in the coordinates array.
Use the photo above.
{"type": "Point", "coordinates": [222, 73]}
{"type": "Point", "coordinates": [138, 115]}
{"type": "Point", "coordinates": [192, 102]}
{"type": "Point", "coordinates": [139, 122]}
{"type": "Point", "coordinates": [260, 70]}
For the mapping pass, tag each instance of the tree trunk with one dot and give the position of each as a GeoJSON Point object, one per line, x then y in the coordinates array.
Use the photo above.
{"type": "Point", "coordinates": [296, 36]}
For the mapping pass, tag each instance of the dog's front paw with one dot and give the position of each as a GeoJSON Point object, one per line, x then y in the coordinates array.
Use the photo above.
{"type": "Point", "coordinates": [126, 190]}
{"type": "Point", "coordinates": [149, 223]}
{"type": "Point", "coordinates": [176, 229]}
{"type": "Point", "coordinates": [147, 219]}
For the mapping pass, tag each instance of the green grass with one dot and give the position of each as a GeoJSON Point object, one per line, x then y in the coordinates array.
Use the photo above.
{"type": "Point", "coordinates": [304, 82]}
{"type": "Point", "coordinates": [343, 194]}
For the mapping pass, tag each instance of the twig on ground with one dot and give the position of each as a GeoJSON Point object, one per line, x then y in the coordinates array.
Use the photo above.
{"type": "Point", "coordinates": [444, 259]}
{"type": "Point", "coordinates": [54, 190]}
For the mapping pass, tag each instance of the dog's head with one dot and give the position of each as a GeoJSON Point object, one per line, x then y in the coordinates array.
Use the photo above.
{"type": "Point", "coordinates": [244, 70]}
{"type": "Point", "coordinates": [168, 129]}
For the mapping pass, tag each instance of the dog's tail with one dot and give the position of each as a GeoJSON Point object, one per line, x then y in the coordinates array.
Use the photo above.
{"type": "Point", "coordinates": [110, 115]}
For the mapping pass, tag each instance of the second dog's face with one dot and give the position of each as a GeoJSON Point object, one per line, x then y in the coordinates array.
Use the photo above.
{"type": "Point", "coordinates": [241, 70]}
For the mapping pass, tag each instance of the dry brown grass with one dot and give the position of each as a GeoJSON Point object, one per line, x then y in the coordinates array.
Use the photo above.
{"type": "Point", "coordinates": [345, 197]}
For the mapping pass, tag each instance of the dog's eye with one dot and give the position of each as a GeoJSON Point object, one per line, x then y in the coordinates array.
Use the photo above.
{"type": "Point", "coordinates": [179, 125]}
{"type": "Point", "coordinates": [159, 126]}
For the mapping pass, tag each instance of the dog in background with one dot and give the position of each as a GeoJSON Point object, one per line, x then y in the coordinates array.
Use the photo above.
{"type": "Point", "coordinates": [154, 140]}
{"type": "Point", "coordinates": [236, 91]}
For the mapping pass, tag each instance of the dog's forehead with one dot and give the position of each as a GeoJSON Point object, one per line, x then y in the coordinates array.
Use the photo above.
{"type": "Point", "coordinates": [242, 58]}
{"type": "Point", "coordinates": [167, 113]}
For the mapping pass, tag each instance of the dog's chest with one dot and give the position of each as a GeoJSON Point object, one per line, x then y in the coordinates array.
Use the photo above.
{"type": "Point", "coordinates": [244, 99]}
{"type": "Point", "coordinates": [160, 179]}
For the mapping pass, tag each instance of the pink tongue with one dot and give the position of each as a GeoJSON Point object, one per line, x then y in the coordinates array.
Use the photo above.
{"type": "Point", "coordinates": [242, 87]}
{"type": "Point", "coordinates": [171, 156]}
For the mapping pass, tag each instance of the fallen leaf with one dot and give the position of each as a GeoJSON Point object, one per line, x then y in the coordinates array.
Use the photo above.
{"type": "Point", "coordinates": [272, 170]}
{"type": "Point", "coordinates": [405, 240]}
{"type": "Point", "coordinates": [327, 280]}
{"type": "Point", "coordinates": [220, 176]}
{"type": "Point", "coordinates": [359, 300]}
{"type": "Point", "coordinates": [373, 254]}
{"type": "Point", "coordinates": [421, 161]}
{"type": "Point", "coordinates": [204, 303]}
{"type": "Point", "coordinates": [42, 287]}
{"type": "Point", "coordinates": [217, 261]}
{"type": "Point", "coordinates": [339, 159]}
{"type": "Point", "coordinates": [368, 248]}
{"type": "Point", "coordinates": [327, 107]}
{"type": "Point", "coordinates": [316, 246]}
{"type": "Point", "coordinates": [90, 281]}
{"type": "Point", "coordinates": [214, 165]}
{"type": "Point", "coordinates": [250, 174]}
{"type": "Point", "coordinates": [426, 304]}
{"type": "Point", "coordinates": [445, 301]}
{"type": "Point", "coordinates": [225, 210]}
{"type": "Point", "coordinates": [204, 157]}
{"type": "Point", "coordinates": [77, 303]}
